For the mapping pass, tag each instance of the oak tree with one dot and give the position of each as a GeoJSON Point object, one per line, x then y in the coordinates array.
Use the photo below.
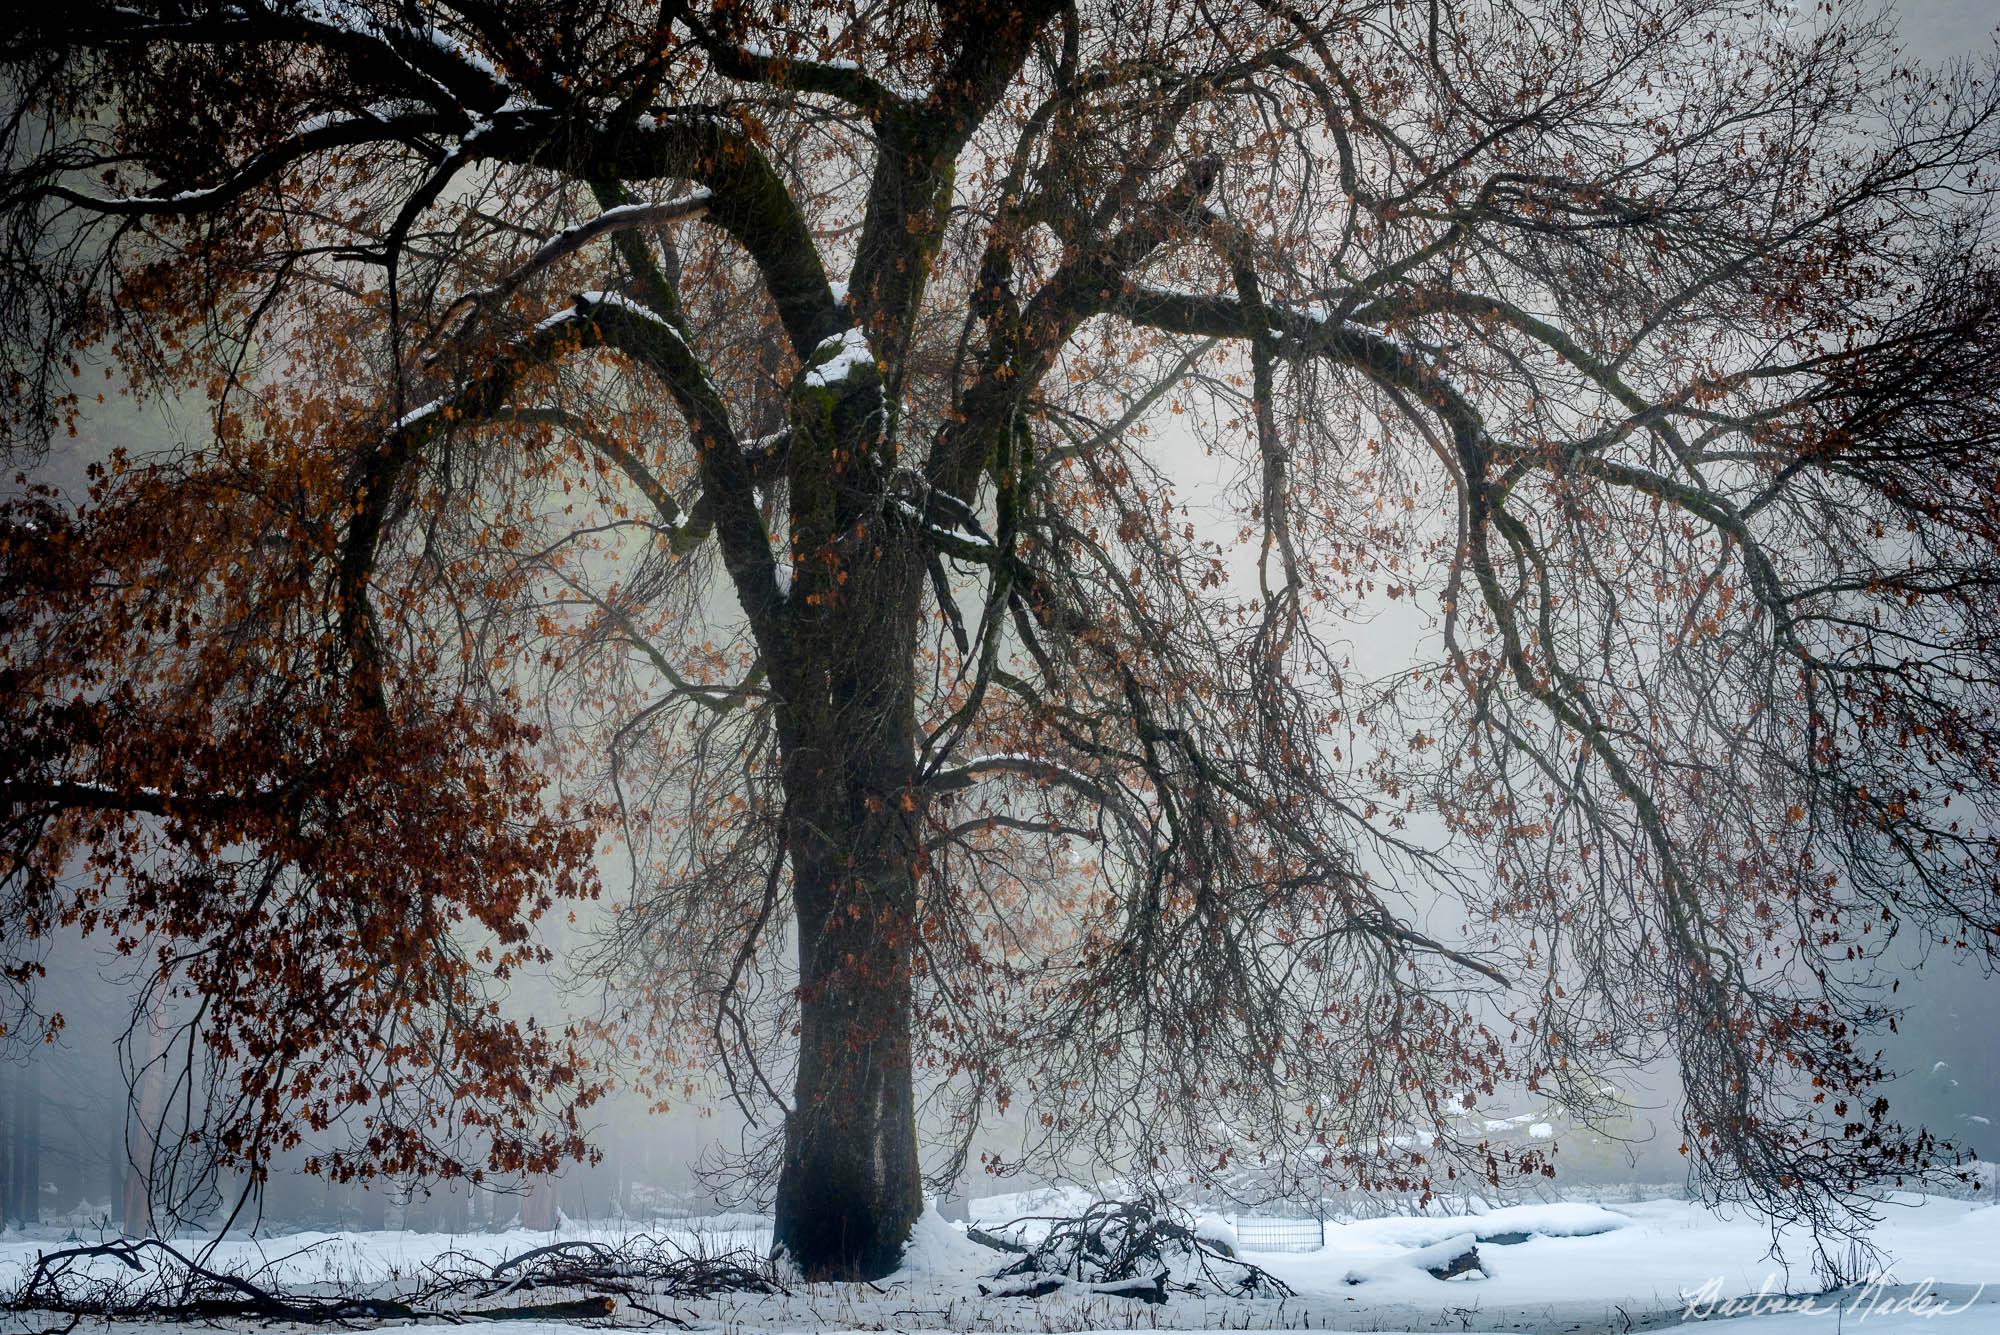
{"type": "Point", "coordinates": [914, 477]}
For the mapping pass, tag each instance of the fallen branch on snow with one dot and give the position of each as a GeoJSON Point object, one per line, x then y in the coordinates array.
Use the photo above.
{"type": "Point", "coordinates": [1131, 1249]}
{"type": "Point", "coordinates": [155, 1280]}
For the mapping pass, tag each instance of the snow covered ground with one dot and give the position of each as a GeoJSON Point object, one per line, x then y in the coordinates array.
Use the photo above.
{"type": "Point", "coordinates": [1571, 1267]}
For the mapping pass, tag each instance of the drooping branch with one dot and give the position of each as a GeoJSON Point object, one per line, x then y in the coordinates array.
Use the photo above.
{"type": "Point", "coordinates": [617, 218]}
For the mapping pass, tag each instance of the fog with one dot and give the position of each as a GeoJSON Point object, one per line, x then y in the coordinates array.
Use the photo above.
{"type": "Point", "coordinates": [74, 1147]}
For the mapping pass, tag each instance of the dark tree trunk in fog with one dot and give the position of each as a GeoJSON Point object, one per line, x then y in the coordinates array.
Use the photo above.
{"type": "Point", "coordinates": [374, 1205]}
{"type": "Point", "coordinates": [7, 1174]}
{"type": "Point", "coordinates": [539, 1208]}
{"type": "Point", "coordinates": [114, 1177]}
{"type": "Point", "coordinates": [23, 1152]}
{"type": "Point", "coordinates": [31, 1124]}
{"type": "Point", "coordinates": [134, 1213]}
{"type": "Point", "coordinates": [849, 1187]}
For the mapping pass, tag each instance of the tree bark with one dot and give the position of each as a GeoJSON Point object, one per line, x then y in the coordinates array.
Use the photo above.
{"type": "Point", "coordinates": [849, 1187]}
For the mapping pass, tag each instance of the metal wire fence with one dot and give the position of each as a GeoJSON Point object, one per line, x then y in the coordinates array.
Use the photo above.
{"type": "Point", "coordinates": [1279, 1235]}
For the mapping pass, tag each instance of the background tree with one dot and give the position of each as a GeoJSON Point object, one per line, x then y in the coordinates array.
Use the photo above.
{"type": "Point", "coordinates": [556, 480]}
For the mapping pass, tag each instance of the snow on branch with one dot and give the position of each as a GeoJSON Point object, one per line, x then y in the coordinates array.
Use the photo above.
{"type": "Point", "coordinates": [1040, 768]}
{"type": "Point", "coordinates": [310, 138]}
{"type": "Point", "coordinates": [843, 79]}
{"type": "Point", "coordinates": [143, 799]}
{"type": "Point", "coordinates": [460, 74]}
{"type": "Point", "coordinates": [588, 303]}
{"type": "Point", "coordinates": [851, 354]}
{"type": "Point", "coordinates": [950, 523]}
{"type": "Point", "coordinates": [567, 242]}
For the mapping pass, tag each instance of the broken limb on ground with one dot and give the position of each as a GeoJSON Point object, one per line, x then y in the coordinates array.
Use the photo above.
{"type": "Point", "coordinates": [1132, 1249]}
{"type": "Point", "coordinates": [579, 1279]}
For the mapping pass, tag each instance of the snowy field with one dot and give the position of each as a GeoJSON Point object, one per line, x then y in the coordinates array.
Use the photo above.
{"type": "Point", "coordinates": [1569, 1268]}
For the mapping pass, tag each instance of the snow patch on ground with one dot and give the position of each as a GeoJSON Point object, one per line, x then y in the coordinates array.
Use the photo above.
{"type": "Point", "coordinates": [1215, 1228]}
{"type": "Point", "coordinates": [939, 1247]}
{"type": "Point", "coordinates": [1437, 1256]}
{"type": "Point", "coordinates": [1579, 1268]}
{"type": "Point", "coordinates": [1554, 1219]}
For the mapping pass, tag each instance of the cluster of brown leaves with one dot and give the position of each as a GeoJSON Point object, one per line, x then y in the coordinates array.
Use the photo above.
{"type": "Point", "coordinates": [318, 884]}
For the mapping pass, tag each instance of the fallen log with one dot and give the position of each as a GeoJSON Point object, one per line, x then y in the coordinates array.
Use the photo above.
{"type": "Point", "coordinates": [997, 1243]}
{"type": "Point", "coordinates": [1459, 1263]}
{"type": "Point", "coordinates": [581, 1309]}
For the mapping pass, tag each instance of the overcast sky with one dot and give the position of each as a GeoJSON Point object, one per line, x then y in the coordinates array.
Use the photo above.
{"type": "Point", "coordinates": [1941, 29]}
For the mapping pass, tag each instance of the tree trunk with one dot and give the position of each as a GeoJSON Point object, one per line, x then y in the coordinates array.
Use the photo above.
{"type": "Point", "coordinates": [28, 1142]}
{"type": "Point", "coordinates": [7, 1133]}
{"type": "Point", "coordinates": [849, 1187]}
{"type": "Point", "coordinates": [540, 1209]}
